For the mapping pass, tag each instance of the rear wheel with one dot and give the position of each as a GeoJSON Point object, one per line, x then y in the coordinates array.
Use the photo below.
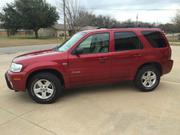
{"type": "Point", "coordinates": [147, 79]}
{"type": "Point", "coordinates": [44, 88]}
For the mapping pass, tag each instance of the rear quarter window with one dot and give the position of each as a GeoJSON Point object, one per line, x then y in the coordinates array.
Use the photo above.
{"type": "Point", "coordinates": [155, 38]}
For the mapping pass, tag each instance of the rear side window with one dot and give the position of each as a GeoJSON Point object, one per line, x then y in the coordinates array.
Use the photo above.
{"type": "Point", "coordinates": [155, 38]}
{"type": "Point", "coordinates": [126, 41]}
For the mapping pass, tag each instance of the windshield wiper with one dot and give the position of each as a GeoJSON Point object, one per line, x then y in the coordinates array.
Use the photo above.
{"type": "Point", "coordinates": [55, 48]}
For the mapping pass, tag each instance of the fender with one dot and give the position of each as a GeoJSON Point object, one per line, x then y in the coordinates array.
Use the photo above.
{"type": "Point", "coordinates": [48, 65]}
{"type": "Point", "coordinates": [156, 62]}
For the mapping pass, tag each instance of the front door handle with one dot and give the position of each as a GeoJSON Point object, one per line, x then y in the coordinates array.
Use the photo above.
{"type": "Point", "coordinates": [103, 58]}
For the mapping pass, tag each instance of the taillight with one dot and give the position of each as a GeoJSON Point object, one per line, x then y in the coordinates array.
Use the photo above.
{"type": "Point", "coordinates": [170, 53]}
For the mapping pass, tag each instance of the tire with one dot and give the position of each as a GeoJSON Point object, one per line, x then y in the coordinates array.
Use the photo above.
{"type": "Point", "coordinates": [44, 88]}
{"type": "Point", "coordinates": [145, 83]}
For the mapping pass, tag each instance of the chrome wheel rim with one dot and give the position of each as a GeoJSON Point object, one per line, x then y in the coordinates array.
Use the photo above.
{"type": "Point", "coordinates": [148, 79]}
{"type": "Point", "coordinates": [43, 89]}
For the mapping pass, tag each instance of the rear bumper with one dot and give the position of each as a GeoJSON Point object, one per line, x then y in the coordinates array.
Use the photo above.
{"type": "Point", "coordinates": [15, 81]}
{"type": "Point", "coordinates": [167, 66]}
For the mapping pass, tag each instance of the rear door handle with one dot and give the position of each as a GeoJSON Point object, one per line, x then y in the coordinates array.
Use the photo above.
{"type": "Point", "coordinates": [102, 59]}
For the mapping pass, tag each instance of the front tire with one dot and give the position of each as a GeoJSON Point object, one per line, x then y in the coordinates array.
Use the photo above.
{"type": "Point", "coordinates": [147, 78]}
{"type": "Point", "coordinates": [44, 88]}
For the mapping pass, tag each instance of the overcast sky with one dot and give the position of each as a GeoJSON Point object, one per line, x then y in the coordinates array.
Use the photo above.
{"type": "Point", "coordinates": [158, 11]}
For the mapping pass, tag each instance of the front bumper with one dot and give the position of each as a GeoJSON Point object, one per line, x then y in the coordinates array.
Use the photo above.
{"type": "Point", "coordinates": [15, 81]}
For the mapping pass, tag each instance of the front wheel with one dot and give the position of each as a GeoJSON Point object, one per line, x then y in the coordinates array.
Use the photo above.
{"type": "Point", "coordinates": [44, 88]}
{"type": "Point", "coordinates": [147, 79]}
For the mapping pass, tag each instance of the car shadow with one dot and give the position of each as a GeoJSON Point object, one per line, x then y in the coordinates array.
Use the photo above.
{"type": "Point", "coordinates": [70, 93]}
{"type": "Point", "coordinates": [128, 86]}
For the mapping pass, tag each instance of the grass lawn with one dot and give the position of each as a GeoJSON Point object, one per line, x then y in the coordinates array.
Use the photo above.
{"type": "Point", "coordinates": [21, 41]}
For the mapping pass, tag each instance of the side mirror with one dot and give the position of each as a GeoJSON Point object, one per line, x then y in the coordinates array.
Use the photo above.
{"type": "Point", "coordinates": [78, 51]}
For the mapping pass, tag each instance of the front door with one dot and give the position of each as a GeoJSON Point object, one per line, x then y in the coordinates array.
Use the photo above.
{"type": "Point", "coordinates": [93, 65]}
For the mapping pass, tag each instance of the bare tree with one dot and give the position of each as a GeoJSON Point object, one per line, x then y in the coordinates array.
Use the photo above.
{"type": "Point", "coordinates": [77, 16]}
{"type": "Point", "coordinates": [74, 15]}
{"type": "Point", "coordinates": [64, 12]}
{"type": "Point", "coordinates": [73, 10]}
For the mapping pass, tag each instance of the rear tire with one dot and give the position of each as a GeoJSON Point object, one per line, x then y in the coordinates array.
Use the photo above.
{"type": "Point", "coordinates": [147, 78]}
{"type": "Point", "coordinates": [44, 88]}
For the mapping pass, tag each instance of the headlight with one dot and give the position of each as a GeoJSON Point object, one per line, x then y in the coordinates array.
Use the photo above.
{"type": "Point", "coordinates": [16, 67]}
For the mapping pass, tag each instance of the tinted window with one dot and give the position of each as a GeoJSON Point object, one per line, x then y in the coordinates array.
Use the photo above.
{"type": "Point", "coordinates": [97, 43]}
{"type": "Point", "coordinates": [155, 38]}
{"type": "Point", "coordinates": [126, 41]}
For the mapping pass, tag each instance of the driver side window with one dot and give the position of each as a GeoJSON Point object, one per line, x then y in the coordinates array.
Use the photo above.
{"type": "Point", "coordinates": [97, 43]}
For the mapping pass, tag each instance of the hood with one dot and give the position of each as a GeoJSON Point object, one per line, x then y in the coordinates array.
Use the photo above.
{"type": "Point", "coordinates": [35, 53]}
{"type": "Point", "coordinates": [43, 55]}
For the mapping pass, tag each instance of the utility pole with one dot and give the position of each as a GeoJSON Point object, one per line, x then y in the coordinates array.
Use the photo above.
{"type": "Point", "coordinates": [137, 17]}
{"type": "Point", "coordinates": [64, 10]}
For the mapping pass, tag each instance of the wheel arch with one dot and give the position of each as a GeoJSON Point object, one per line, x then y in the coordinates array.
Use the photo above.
{"type": "Point", "coordinates": [154, 64]}
{"type": "Point", "coordinates": [52, 71]}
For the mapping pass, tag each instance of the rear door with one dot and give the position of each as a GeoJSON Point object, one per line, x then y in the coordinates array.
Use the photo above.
{"type": "Point", "coordinates": [127, 55]}
{"type": "Point", "coordinates": [93, 65]}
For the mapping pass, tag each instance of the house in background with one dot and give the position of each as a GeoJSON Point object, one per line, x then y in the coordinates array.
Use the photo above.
{"type": "Point", "coordinates": [173, 36]}
{"type": "Point", "coordinates": [88, 28]}
{"type": "Point", "coordinates": [57, 30]}
{"type": "Point", "coordinates": [22, 32]}
{"type": "Point", "coordinates": [3, 32]}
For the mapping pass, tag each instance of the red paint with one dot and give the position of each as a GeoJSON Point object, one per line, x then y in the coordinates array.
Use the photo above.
{"type": "Point", "coordinates": [91, 69]}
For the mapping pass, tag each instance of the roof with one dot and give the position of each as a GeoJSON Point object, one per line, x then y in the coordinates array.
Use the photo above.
{"type": "Point", "coordinates": [123, 29]}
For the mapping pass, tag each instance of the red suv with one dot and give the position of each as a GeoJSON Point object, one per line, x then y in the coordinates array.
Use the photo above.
{"type": "Point", "coordinates": [92, 57]}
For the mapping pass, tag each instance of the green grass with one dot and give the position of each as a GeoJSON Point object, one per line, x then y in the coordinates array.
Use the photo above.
{"type": "Point", "coordinates": [19, 40]}
{"type": "Point", "coordinates": [25, 37]}
{"type": "Point", "coordinates": [22, 41]}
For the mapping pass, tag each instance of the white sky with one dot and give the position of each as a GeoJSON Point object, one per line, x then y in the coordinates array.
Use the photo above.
{"type": "Point", "coordinates": [161, 11]}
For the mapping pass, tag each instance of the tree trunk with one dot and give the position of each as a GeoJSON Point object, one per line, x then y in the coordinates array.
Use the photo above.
{"type": "Point", "coordinates": [8, 33]}
{"type": "Point", "coordinates": [64, 10]}
{"type": "Point", "coordinates": [36, 34]}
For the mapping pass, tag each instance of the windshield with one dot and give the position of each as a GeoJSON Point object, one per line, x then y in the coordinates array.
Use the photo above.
{"type": "Point", "coordinates": [69, 43]}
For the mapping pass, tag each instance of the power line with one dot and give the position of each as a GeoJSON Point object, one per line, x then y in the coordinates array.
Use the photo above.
{"type": "Point", "coordinates": [138, 9]}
